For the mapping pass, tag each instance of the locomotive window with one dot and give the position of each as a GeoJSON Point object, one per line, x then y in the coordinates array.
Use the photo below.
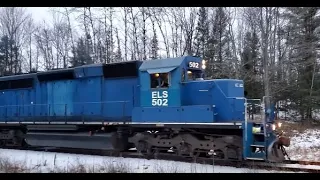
{"type": "Point", "coordinates": [195, 75]}
{"type": "Point", "coordinates": [159, 80]}
{"type": "Point", "coordinates": [183, 75]}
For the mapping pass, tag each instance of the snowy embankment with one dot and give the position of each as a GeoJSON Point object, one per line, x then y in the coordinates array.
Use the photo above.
{"type": "Point", "coordinates": [305, 145]}
{"type": "Point", "coordinates": [305, 138]}
{"type": "Point", "coordinates": [32, 161]}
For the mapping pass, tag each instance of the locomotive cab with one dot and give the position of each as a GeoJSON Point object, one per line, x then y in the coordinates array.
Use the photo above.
{"type": "Point", "coordinates": [162, 84]}
{"type": "Point", "coordinates": [177, 86]}
{"type": "Point", "coordinates": [158, 83]}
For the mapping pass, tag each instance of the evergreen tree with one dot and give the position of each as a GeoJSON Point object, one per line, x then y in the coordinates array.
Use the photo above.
{"type": "Point", "coordinates": [202, 32]}
{"type": "Point", "coordinates": [118, 55]}
{"type": "Point", "coordinates": [9, 57]}
{"type": "Point", "coordinates": [81, 54]}
{"type": "Point", "coordinates": [249, 58]}
{"type": "Point", "coordinates": [304, 22]}
{"type": "Point", "coordinates": [154, 46]}
{"type": "Point", "coordinates": [217, 44]}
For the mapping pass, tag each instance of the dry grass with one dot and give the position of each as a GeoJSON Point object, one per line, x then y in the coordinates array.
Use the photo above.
{"type": "Point", "coordinates": [7, 166]}
{"type": "Point", "coordinates": [308, 154]}
{"type": "Point", "coordinates": [292, 129]}
{"type": "Point", "coordinates": [251, 170]}
{"type": "Point", "coordinates": [166, 169]}
{"type": "Point", "coordinates": [255, 169]}
{"type": "Point", "coordinates": [114, 167]}
{"type": "Point", "coordinates": [104, 168]}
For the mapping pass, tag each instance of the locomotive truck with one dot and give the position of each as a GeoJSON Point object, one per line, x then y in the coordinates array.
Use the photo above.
{"type": "Point", "coordinates": [154, 105]}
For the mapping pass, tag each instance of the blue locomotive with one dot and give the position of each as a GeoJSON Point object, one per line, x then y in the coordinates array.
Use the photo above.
{"type": "Point", "coordinates": [156, 105]}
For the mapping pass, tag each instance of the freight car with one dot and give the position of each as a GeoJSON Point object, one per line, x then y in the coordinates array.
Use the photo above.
{"type": "Point", "coordinates": [156, 105]}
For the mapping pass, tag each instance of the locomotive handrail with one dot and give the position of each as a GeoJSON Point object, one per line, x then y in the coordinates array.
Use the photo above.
{"type": "Point", "coordinates": [62, 110]}
{"type": "Point", "coordinates": [245, 118]}
{"type": "Point", "coordinates": [66, 103]}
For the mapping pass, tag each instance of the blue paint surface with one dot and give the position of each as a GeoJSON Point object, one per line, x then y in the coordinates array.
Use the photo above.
{"type": "Point", "coordinates": [89, 96]}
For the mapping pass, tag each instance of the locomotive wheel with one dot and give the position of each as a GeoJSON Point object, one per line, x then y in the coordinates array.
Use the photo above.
{"type": "Point", "coordinates": [24, 144]}
{"type": "Point", "coordinates": [2, 143]}
{"type": "Point", "coordinates": [217, 154]}
{"type": "Point", "coordinates": [185, 149]}
{"type": "Point", "coordinates": [144, 149]}
{"type": "Point", "coordinates": [196, 154]}
{"type": "Point", "coordinates": [232, 153]}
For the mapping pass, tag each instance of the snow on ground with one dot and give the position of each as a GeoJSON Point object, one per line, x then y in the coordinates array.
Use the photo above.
{"type": "Point", "coordinates": [62, 162]}
{"type": "Point", "coordinates": [316, 114]}
{"type": "Point", "coordinates": [294, 115]}
{"type": "Point", "coordinates": [305, 139]}
{"type": "Point", "coordinates": [305, 145]}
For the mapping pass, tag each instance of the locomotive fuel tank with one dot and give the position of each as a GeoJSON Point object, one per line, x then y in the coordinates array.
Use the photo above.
{"type": "Point", "coordinates": [70, 136]}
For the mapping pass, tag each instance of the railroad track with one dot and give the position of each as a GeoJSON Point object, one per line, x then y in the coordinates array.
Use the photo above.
{"type": "Point", "coordinates": [288, 165]}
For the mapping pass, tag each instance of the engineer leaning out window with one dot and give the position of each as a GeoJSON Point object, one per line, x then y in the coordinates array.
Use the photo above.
{"type": "Point", "coordinates": [163, 80]}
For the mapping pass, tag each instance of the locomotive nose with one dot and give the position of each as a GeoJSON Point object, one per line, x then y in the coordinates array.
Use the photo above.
{"type": "Point", "coordinates": [276, 151]}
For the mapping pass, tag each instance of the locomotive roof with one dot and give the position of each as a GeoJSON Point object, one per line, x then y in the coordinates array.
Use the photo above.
{"type": "Point", "coordinates": [17, 77]}
{"type": "Point", "coordinates": [57, 71]}
{"type": "Point", "coordinates": [162, 63]}
{"type": "Point", "coordinates": [146, 65]}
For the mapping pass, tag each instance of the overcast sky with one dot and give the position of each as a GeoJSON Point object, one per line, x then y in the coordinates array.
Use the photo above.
{"type": "Point", "coordinates": [39, 13]}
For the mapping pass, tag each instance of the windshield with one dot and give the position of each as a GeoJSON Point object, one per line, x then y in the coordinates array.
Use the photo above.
{"type": "Point", "coordinates": [195, 75]}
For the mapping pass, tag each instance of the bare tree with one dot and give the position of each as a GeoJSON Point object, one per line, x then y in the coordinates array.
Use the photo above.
{"type": "Point", "coordinates": [157, 13]}
{"type": "Point", "coordinates": [30, 28]}
{"type": "Point", "coordinates": [145, 16]}
{"type": "Point", "coordinates": [276, 47]}
{"type": "Point", "coordinates": [43, 37]}
{"type": "Point", "coordinates": [133, 16]}
{"type": "Point", "coordinates": [188, 26]}
{"type": "Point", "coordinates": [125, 20]}
{"type": "Point", "coordinates": [118, 55]}
{"type": "Point", "coordinates": [13, 21]}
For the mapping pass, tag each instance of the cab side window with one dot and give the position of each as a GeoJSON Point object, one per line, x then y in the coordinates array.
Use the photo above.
{"type": "Point", "coordinates": [159, 80]}
{"type": "Point", "coordinates": [183, 75]}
